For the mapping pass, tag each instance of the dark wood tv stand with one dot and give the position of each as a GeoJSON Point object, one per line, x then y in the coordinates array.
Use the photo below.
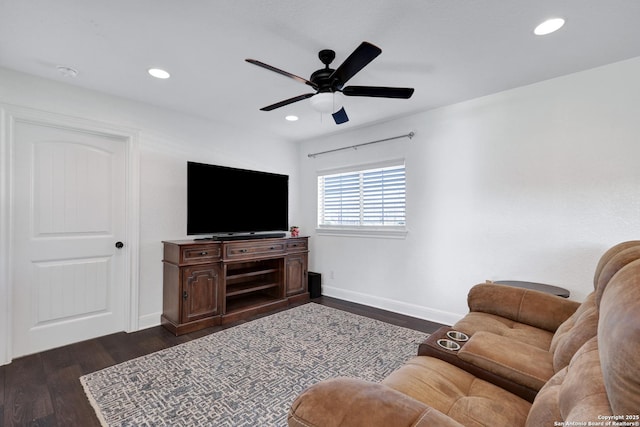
{"type": "Point", "coordinates": [208, 283]}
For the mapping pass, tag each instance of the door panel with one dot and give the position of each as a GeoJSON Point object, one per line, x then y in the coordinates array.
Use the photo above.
{"type": "Point", "coordinates": [65, 289]}
{"type": "Point", "coordinates": [68, 210]}
{"type": "Point", "coordinates": [70, 181]}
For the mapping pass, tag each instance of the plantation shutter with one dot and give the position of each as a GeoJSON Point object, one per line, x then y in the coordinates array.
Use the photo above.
{"type": "Point", "coordinates": [341, 199]}
{"type": "Point", "coordinates": [363, 198]}
{"type": "Point", "coordinates": [383, 194]}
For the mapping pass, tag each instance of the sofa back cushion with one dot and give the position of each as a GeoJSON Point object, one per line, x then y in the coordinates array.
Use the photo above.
{"type": "Point", "coordinates": [606, 257]}
{"type": "Point", "coordinates": [521, 305]}
{"type": "Point", "coordinates": [583, 324]}
{"type": "Point", "coordinates": [574, 332]}
{"type": "Point", "coordinates": [619, 339]}
{"type": "Point", "coordinates": [603, 377]}
{"type": "Point", "coordinates": [614, 265]}
{"type": "Point", "coordinates": [574, 394]}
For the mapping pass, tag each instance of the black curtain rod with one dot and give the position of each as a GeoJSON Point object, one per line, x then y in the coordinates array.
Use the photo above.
{"type": "Point", "coordinates": [355, 147]}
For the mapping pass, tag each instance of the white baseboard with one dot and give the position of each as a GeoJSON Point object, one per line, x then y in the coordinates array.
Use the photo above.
{"type": "Point", "coordinates": [413, 310]}
{"type": "Point", "coordinates": [149, 321]}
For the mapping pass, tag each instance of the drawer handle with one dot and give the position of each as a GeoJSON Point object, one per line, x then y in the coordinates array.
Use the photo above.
{"type": "Point", "coordinates": [295, 245]}
{"type": "Point", "coordinates": [272, 248]}
{"type": "Point", "coordinates": [243, 251]}
{"type": "Point", "coordinates": [204, 253]}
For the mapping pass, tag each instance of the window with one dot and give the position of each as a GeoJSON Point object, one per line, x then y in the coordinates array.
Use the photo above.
{"type": "Point", "coordinates": [367, 199]}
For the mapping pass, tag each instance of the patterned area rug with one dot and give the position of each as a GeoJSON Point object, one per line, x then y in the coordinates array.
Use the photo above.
{"type": "Point", "coordinates": [250, 374]}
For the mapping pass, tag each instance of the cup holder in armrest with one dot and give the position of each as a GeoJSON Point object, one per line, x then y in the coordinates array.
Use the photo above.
{"type": "Point", "coordinates": [442, 345]}
{"type": "Point", "coordinates": [458, 336]}
{"type": "Point", "coordinates": [448, 344]}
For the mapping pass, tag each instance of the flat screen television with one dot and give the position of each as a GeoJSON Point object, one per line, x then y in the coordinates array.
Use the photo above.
{"type": "Point", "coordinates": [228, 201]}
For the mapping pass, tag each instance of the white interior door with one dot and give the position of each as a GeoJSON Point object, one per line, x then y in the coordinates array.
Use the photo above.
{"type": "Point", "coordinates": [68, 211]}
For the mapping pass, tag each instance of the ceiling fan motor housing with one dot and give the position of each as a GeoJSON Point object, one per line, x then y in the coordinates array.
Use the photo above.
{"type": "Point", "coordinates": [322, 79]}
{"type": "Point", "coordinates": [322, 76]}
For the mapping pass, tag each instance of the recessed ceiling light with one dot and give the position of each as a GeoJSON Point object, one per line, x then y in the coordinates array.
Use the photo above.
{"type": "Point", "coordinates": [291, 118]}
{"type": "Point", "coordinates": [159, 73]}
{"type": "Point", "coordinates": [67, 71]}
{"type": "Point", "coordinates": [549, 26]}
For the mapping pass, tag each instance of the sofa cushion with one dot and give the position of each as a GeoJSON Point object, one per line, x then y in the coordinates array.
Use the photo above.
{"type": "Point", "coordinates": [615, 264]}
{"type": "Point", "coordinates": [357, 403]}
{"type": "Point", "coordinates": [619, 340]}
{"type": "Point", "coordinates": [574, 332]}
{"type": "Point", "coordinates": [583, 324]}
{"type": "Point", "coordinates": [602, 379]}
{"type": "Point", "coordinates": [598, 277]}
{"type": "Point", "coordinates": [521, 363]}
{"type": "Point", "coordinates": [476, 321]}
{"type": "Point", "coordinates": [458, 394]}
{"type": "Point", "coordinates": [521, 305]}
{"type": "Point", "coordinates": [575, 394]}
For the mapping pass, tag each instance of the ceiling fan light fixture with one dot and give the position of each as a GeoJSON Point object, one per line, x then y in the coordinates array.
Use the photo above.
{"type": "Point", "coordinates": [327, 102]}
{"type": "Point", "coordinates": [549, 26]}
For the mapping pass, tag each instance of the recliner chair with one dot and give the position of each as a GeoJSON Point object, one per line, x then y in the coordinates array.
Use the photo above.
{"type": "Point", "coordinates": [523, 368]}
{"type": "Point", "coordinates": [516, 313]}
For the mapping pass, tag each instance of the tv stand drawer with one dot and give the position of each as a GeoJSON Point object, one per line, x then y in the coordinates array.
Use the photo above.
{"type": "Point", "coordinates": [201, 253]}
{"type": "Point", "coordinates": [196, 253]}
{"type": "Point", "coordinates": [253, 249]}
{"type": "Point", "coordinates": [297, 245]}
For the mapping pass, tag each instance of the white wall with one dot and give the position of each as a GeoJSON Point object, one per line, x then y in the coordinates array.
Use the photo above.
{"type": "Point", "coordinates": [167, 140]}
{"type": "Point", "coordinates": [534, 183]}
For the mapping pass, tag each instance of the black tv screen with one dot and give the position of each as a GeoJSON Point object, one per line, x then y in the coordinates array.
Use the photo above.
{"type": "Point", "coordinates": [222, 200]}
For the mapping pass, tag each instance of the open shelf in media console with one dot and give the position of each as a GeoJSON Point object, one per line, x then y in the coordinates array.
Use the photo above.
{"type": "Point", "coordinates": [248, 287]}
{"type": "Point", "coordinates": [253, 300]}
{"type": "Point", "coordinates": [248, 272]}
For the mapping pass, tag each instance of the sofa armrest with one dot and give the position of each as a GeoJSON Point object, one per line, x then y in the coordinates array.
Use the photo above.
{"type": "Point", "coordinates": [357, 403]}
{"type": "Point", "coordinates": [516, 361]}
{"type": "Point", "coordinates": [534, 308]}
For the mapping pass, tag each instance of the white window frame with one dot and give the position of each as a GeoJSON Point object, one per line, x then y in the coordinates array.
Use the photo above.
{"type": "Point", "coordinates": [384, 231]}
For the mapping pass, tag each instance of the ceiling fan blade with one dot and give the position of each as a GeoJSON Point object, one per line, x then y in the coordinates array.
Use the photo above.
{"type": "Point", "coordinates": [340, 116]}
{"type": "Point", "coordinates": [287, 102]}
{"type": "Point", "coordinates": [379, 91]}
{"type": "Point", "coordinates": [284, 73]}
{"type": "Point", "coordinates": [358, 59]}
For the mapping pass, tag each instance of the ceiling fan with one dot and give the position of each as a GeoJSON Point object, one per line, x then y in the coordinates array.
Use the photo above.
{"type": "Point", "coordinates": [329, 83]}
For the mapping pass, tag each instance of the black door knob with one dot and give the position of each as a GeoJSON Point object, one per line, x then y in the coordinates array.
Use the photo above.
{"type": "Point", "coordinates": [119, 245]}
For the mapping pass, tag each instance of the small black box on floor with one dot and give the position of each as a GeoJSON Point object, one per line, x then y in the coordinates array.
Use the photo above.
{"type": "Point", "coordinates": [315, 284]}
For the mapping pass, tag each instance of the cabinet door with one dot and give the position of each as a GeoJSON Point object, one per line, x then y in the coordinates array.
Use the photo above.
{"type": "Point", "coordinates": [200, 292]}
{"type": "Point", "coordinates": [296, 274]}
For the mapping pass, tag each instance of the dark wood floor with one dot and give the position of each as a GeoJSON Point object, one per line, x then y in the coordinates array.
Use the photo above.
{"type": "Point", "coordinates": [44, 389]}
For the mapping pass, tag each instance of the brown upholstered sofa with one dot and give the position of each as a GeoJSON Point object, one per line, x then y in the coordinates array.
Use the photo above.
{"type": "Point", "coordinates": [500, 316]}
{"type": "Point", "coordinates": [597, 376]}
{"type": "Point", "coordinates": [515, 313]}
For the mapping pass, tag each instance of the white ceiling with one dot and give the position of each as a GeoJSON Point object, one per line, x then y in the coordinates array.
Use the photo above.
{"type": "Point", "coordinates": [448, 50]}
